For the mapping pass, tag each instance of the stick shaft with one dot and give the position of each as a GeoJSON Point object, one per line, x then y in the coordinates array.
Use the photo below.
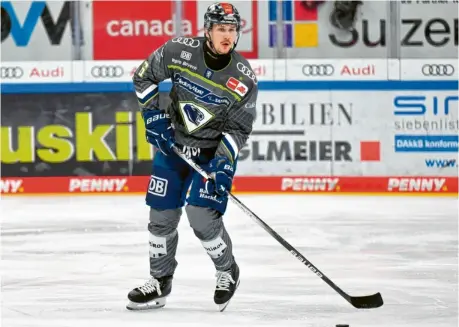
{"type": "Point", "coordinates": [268, 229]}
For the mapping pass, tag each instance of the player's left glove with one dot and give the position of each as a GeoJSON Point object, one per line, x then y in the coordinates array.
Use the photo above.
{"type": "Point", "coordinates": [221, 172]}
{"type": "Point", "coordinates": [158, 130]}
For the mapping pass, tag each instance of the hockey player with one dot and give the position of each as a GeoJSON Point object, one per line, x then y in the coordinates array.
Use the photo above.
{"type": "Point", "coordinates": [213, 95]}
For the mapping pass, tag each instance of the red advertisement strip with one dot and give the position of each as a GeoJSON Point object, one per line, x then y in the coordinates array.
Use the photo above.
{"type": "Point", "coordinates": [346, 184]}
{"type": "Point", "coordinates": [242, 184]}
{"type": "Point", "coordinates": [134, 29]}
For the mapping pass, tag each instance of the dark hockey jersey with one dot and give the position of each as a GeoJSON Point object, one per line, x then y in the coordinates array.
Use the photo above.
{"type": "Point", "coordinates": [209, 108]}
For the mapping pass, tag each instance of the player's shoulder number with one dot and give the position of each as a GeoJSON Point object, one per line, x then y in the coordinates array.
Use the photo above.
{"type": "Point", "coordinates": [143, 68]}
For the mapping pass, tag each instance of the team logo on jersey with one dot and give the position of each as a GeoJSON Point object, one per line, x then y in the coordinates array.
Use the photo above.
{"type": "Point", "coordinates": [194, 116]}
{"type": "Point", "coordinates": [202, 94]}
{"type": "Point", "coordinates": [237, 86]}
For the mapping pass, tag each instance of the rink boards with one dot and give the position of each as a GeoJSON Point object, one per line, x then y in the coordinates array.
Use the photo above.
{"type": "Point", "coordinates": [329, 126]}
{"type": "Point", "coordinates": [242, 184]}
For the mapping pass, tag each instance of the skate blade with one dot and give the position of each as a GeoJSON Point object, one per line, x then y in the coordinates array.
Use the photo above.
{"type": "Point", "coordinates": [153, 304]}
{"type": "Point", "coordinates": [222, 307]}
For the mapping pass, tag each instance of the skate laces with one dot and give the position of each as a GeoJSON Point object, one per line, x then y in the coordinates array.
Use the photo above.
{"type": "Point", "coordinates": [224, 280]}
{"type": "Point", "coordinates": [150, 286]}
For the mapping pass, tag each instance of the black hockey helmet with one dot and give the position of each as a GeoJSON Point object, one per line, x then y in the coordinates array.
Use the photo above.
{"type": "Point", "coordinates": [222, 13]}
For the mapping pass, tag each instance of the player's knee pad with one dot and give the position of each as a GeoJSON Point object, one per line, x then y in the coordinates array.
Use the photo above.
{"type": "Point", "coordinates": [164, 222]}
{"type": "Point", "coordinates": [159, 244]}
{"type": "Point", "coordinates": [163, 231]}
{"type": "Point", "coordinates": [206, 222]}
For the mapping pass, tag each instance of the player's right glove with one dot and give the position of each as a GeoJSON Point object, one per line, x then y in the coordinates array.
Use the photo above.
{"type": "Point", "coordinates": [221, 173]}
{"type": "Point", "coordinates": [159, 130]}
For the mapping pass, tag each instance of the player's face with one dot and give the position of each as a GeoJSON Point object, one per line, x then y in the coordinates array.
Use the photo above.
{"type": "Point", "coordinates": [223, 37]}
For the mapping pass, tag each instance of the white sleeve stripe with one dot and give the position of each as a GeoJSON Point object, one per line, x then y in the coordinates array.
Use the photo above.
{"type": "Point", "coordinates": [233, 144]}
{"type": "Point", "coordinates": [146, 92]}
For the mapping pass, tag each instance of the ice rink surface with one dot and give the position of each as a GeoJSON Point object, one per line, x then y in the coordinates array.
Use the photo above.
{"type": "Point", "coordinates": [70, 262]}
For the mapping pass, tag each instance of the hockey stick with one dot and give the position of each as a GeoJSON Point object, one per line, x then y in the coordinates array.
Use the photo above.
{"type": "Point", "coordinates": [359, 302]}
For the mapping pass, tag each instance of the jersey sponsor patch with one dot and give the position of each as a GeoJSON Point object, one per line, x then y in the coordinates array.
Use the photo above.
{"type": "Point", "coordinates": [185, 55]}
{"type": "Point", "coordinates": [158, 246]}
{"type": "Point", "coordinates": [184, 63]}
{"type": "Point", "coordinates": [215, 248]}
{"type": "Point", "coordinates": [194, 116]}
{"type": "Point", "coordinates": [237, 86]}
{"type": "Point", "coordinates": [157, 186]}
{"type": "Point", "coordinates": [246, 71]}
{"type": "Point", "coordinates": [202, 94]}
{"type": "Point", "coordinates": [187, 41]}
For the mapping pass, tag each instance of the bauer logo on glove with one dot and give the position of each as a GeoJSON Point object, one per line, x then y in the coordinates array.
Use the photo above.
{"type": "Point", "coordinates": [159, 131]}
{"type": "Point", "coordinates": [157, 117]}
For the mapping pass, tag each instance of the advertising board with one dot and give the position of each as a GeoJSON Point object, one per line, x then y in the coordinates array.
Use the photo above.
{"type": "Point", "coordinates": [73, 134]}
{"type": "Point", "coordinates": [432, 69]}
{"type": "Point", "coordinates": [429, 29]}
{"type": "Point", "coordinates": [131, 30]}
{"type": "Point", "coordinates": [343, 135]}
{"type": "Point", "coordinates": [352, 133]}
{"type": "Point", "coordinates": [425, 29]}
{"type": "Point", "coordinates": [15, 72]}
{"type": "Point", "coordinates": [265, 69]}
{"type": "Point", "coordinates": [307, 132]}
{"type": "Point", "coordinates": [426, 130]}
{"type": "Point", "coordinates": [110, 70]}
{"type": "Point", "coordinates": [387, 185]}
{"type": "Point", "coordinates": [134, 29]}
{"type": "Point", "coordinates": [332, 69]}
{"type": "Point", "coordinates": [36, 30]}
{"type": "Point", "coordinates": [126, 30]}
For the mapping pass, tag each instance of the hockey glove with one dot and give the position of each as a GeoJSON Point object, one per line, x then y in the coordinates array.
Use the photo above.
{"type": "Point", "coordinates": [221, 173]}
{"type": "Point", "coordinates": [159, 130]}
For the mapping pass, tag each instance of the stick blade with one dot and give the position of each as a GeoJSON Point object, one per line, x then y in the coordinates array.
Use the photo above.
{"type": "Point", "coordinates": [367, 302]}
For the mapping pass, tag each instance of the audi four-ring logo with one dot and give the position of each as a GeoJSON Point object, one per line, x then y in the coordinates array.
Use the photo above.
{"type": "Point", "coordinates": [438, 70]}
{"type": "Point", "coordinates": [246, 71]}
{"type": "Point", "coordinates": [318, 70]}
{"type": "Point", "coordinates": [12, 72]}
{"type": "Point", "coordinates": [189, 42]}
{"type": "Point", "coordinates": [107, 71]}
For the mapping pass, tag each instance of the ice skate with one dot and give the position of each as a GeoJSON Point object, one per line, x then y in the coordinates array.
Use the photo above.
{"type": "Point", "coordinates": [151, 295]}
{"type": "Point", "coordinates": [227, 283]}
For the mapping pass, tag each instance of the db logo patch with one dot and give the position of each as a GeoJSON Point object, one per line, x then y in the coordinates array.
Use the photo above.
{"type": "Point", "coordinates": [157, 186]}
{"type": "Point", "coordinates": [237, 86]}
{"type": "Point", "coordinates": [185, 55]}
